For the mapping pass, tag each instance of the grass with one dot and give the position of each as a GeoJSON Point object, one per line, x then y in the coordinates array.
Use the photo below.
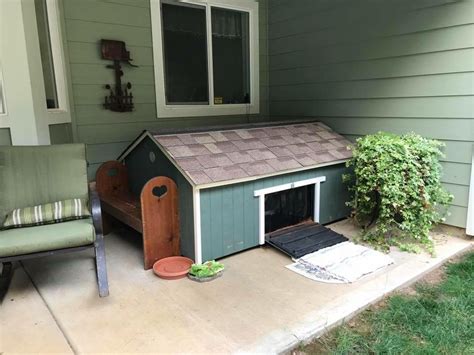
{"type": "Point", "coordinates": [435, 319]}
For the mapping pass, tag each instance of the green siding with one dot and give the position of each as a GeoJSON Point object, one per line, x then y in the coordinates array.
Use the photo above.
{"type": "Point", "coordinates": [229, 214]}
{"type": "Point", "coordinates": [141, 169]}
{"type": "Point", "coordinates": [5, 138]}
{"type": "Point", "coordinates": [60, 133]}
{"type": "Point", "coordinates": [397, 66]}
{"type": "Point", "coordinates": [106, 133]}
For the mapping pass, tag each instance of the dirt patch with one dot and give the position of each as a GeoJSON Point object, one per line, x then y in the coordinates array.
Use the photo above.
{"type": "Point", "coordinates": [444, 229]}
{"type": "Point", "coordinates": [320, 345]}
{"type": "Point", "coordinates": [433, 278]}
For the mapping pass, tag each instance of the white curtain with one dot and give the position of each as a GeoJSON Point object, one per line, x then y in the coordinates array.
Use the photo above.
{"type": "Point", "coordinates": [225, 23]}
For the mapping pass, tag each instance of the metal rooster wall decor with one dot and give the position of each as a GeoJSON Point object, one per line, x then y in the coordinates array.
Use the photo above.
{"type": "Point", "coordinates": [120, 98]}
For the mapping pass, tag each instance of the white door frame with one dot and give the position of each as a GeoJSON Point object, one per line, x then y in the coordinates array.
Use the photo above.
{"type": "Point", "coordinates": [26, 115]}
{"type": "Point", "coordinates": [292, 185]}
{"type": "Point", "coordinates": [470, 207]}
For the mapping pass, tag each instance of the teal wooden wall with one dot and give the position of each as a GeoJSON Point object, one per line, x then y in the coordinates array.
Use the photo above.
{"type": "Point", "coordinates": [366, 66]}
{"type": "Point", "coordinates": [5, 138]}
{"type": "Point", "coordinates": [107, 133]}
{"type": "Point", "coordinates": [141, 169]}
{"type": "Point", "coordinates": [229, 214]}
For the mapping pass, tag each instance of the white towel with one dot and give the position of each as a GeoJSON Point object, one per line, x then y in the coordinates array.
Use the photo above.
{"type": "Point", "coordinates": [342, 263]}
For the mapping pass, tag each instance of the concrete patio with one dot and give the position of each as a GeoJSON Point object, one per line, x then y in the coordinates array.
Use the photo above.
{"type": "Point", "coordinates": [257, 306]}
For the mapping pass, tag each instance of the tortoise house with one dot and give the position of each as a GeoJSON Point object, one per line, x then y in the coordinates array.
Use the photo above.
{"type": "Point", "coordinates": [239, 186]}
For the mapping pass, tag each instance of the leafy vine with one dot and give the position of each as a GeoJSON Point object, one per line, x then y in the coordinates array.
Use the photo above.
{"type": "Point", "coordinates": [396, 188]}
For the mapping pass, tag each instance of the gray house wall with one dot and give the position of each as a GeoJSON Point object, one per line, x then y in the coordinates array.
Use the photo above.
{"type": "Point", "coordinates": [366, 66]}
{"type": "Point", "coordinates": [5, 138]}
{"type": "Point", "coordinates": [107, 133]}
{"type": "Point", "coordinates": [59, 134]}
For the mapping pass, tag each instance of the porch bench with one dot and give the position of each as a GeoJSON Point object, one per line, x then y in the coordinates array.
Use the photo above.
{"type": "Point", "coordinates": [125, 208]}
{"type": "Point", "coordinates": [154, 213]}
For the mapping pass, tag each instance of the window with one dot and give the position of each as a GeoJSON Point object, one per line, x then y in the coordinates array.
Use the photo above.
{"type": "Point", "coordinates": [206, 57]}
{"type": "Point", "coordinates": [50, 45]}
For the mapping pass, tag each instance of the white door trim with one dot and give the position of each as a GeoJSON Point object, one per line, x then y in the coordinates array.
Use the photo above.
{"type": "Point", "coordinates": [292, 185]}
{"type": "Point", "coordinates": [470, 207]}
{"type": "Point", "coordinates": [197, 226]}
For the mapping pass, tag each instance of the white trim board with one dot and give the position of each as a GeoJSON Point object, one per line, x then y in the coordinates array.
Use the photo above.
{"type": "Point", "coordinates": [140, 138]}
{"type": "Point", "coordinates": [470, 206]}
{"type": "Point", "coordinates": [23, 81]}
{"type": "Point", "coordinates": [197, 226]}
{"type": "Point", "coordinates": [292, 185]}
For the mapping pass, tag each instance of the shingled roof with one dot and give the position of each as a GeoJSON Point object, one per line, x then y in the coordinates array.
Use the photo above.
{"type": "Point", "coordinates": [220, 156]}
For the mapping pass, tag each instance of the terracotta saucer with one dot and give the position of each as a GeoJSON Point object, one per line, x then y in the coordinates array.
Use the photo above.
{"type": "Point", "coordinates": [173, 267]}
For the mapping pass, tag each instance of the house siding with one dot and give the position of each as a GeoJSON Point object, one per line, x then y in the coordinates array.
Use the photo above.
{"type": "Point", "coordinates": [5, 138]}
{"type": "Point", "coordinates": [363, 67]}
{"type": "Point", "coordinates": [229, 214]}
{"type": "Point", "coordinates": [140, 169]}
{"type": "Point", "coordinates": [60, 133]}
{"type": "Point", "coordinates": [106, 133]}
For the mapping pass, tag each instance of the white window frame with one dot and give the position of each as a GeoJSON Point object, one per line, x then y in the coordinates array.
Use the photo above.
{"type": "Point", "coordinates": [164, 110]}
{"type": "Point", "coordinates": [470, 206]}
{"type": "Point", "coordinates": [292, 185]}
{"type": "Point", "coordinates": [62, 113]}
{"type": "Point", "coordinates": [3, 105]}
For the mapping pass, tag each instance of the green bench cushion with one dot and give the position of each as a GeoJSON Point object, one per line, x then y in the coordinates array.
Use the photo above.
{"type": "Point", "coordinates": [48, 237]}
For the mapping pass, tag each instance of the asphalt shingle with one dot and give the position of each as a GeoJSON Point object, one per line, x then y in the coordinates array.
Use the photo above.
{"type": "Point", "coordinates": [226, 155]}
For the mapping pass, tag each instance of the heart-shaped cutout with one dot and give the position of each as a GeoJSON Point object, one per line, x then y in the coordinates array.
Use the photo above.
{"type": "Point", "coordinates": [160, 191]}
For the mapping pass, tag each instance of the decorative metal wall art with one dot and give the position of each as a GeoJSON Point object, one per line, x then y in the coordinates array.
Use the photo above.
{"type": "Point", "coordinates": [120, 98]}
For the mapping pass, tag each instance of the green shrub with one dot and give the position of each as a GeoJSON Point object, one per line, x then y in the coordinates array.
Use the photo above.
{"type": "Point", "coordinates": [396, 189]}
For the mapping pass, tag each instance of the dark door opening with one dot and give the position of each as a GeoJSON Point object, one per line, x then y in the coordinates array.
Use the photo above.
{"type": "Point", "coordinates": [288, 208]}
{"type": "Point", "coordinates": [289, 224]}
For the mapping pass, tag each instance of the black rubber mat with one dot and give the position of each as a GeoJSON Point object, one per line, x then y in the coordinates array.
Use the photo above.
{"type": "Point", "coordinates": [303, 239]}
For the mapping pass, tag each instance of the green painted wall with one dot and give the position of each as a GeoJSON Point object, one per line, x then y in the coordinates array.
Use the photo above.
{"type": "Point", "coordinates": [229, 214]}
{"type": "Point", "coordinates": [141, 169]}
{"type": "Point", "coordinates": [107, 133]}
{"type": "Point", "coordinates": [60, 133]}
{"type": "Point", "coordinates": [5, 138]}
{"type": "Point", "coordinates": [366, 66]}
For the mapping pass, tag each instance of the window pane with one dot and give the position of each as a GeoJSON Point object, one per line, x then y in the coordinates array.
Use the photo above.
{"type": "Point", "coordinates": [46, 54]}
{"type": "Point", "coordinates": [185, 54]}
{"type": "Point", "coordinates": [230, 55]}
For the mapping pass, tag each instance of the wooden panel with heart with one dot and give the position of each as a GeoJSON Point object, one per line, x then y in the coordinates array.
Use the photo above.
{"type": "Point", "coordinates": [160, 218]}
{"type": "Point", "coordinates": [112, 178]}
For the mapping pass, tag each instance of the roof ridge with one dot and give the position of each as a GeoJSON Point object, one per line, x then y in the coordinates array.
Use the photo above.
{"type": "Point", "coordinates": [232, 127]}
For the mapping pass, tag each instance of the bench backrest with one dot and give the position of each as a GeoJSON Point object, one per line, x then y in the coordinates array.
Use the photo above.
{"type": "Point", "coordinates": [32, 175]}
